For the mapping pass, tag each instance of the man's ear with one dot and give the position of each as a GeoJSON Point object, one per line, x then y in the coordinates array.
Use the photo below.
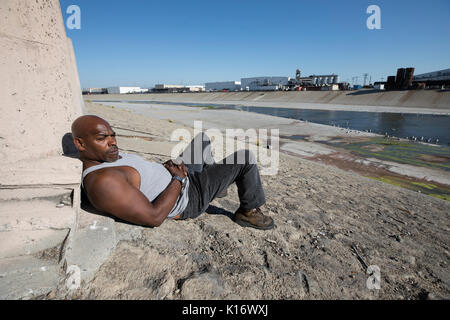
{"type": "Point", "coordinates": [79, 143]}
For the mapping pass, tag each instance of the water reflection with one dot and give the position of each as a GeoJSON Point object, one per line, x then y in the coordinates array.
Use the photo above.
{"type": "Point", "coordinates": [400, 125]}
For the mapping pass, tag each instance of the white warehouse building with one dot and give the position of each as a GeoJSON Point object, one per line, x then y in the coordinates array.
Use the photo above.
{"type": "Point", "coordinates": [124, 90]}
{"type": "Point", "coordinates": [434, 76]}
{"type": "Point", "coordinates": [224, 85]}
{"type": "Point", "coordinates": [264, 83]}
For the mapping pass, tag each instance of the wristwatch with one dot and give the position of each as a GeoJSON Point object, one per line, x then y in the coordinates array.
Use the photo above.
{"type": "Point", "coordinates": [182, 180]}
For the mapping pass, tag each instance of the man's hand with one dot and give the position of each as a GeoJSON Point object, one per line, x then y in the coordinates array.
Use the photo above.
{"type": "Point", "coordinates": [176, 170]}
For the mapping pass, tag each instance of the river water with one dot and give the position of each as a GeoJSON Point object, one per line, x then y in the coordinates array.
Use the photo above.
{"type": "Point", "coordinates": [401, 125]}
{"type": "Point", "coordinates": [433, 128]}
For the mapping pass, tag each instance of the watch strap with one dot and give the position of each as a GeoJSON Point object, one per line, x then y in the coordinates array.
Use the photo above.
{"type": "Point", "coordinates": [179, 179]}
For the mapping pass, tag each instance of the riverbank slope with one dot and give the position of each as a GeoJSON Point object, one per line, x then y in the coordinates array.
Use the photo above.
{"type": "Point", "coordinates": [322, 214]}
{"type": "Point", "coordinates": [413, 101]}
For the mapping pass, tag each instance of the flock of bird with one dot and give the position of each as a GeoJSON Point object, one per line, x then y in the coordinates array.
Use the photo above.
{"type": "Point", "coordinates": [386, 135]}
{"type": "Point", "coordinates": [422, 139]}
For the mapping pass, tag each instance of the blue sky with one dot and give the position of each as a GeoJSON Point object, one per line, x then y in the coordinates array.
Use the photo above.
{"type": "Point", "coordinates": [145, 42]}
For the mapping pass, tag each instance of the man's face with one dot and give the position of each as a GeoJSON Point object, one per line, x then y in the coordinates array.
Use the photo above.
{"type": "Point", "coordinates": [100, 143]}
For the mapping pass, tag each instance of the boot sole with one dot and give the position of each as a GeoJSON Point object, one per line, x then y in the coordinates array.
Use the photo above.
{"type": "Point", "coordinates": [249, 225]}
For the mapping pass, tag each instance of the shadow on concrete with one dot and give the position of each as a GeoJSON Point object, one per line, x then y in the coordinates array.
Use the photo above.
{"type": "Point", "coordinates": [362, 92]}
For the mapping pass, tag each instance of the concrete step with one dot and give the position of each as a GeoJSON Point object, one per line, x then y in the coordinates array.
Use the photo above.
{"type": "Point", "coordinates": [35, 222]}
{"type": "Point", "coordinates": [19, 242]}
{"type": "Point", "coordinates": [51, 171]}
{"type": "Point", "coordinates": [35, 215]}
{"type": "Point", "coordinates": [56, 194]}
{"type": "Point", "coordinates": [40, 215]}
{"type": "Point", "coordinates": [34, 219]}
{"type": "Point", "coordinates": [26, 277]}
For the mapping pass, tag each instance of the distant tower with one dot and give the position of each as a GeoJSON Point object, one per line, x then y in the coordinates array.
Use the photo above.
{"type": "Point", "coordinates": [298, 74]}
{"type": "Point", "coordinates": [365, 78]}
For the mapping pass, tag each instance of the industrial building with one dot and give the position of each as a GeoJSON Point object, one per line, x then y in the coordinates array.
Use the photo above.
{"type": "Point", "coordinates": [405, 80]}
{"type": "Point", "coordinates": [441, 75]}
{"type": "Point", "coordinates": [168, 88]}
{"type": "Point", "coordinates": [315, 80]}
{"type": "Point", "coordinates": [325, 79]}
{"type": "Point", "coordinates": [195, 88]}
{"type": "Point", "coordinates": [264, 83]}
{"type": "Point", "coordinates": [223, 86]}
{"type": "Point", "coordinates": [176, 88]}
{"type": "Point", "coordinates": [124, 90]}
{"type": "Point", "coordinates": [95, 91]}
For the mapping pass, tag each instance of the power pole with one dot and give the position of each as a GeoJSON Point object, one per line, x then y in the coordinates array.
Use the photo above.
{"type": "Point", "coordinates": [365, 78]}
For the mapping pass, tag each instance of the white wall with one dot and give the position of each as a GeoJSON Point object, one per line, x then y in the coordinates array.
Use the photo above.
{"type": "Point", "coordinates": [124, 90]}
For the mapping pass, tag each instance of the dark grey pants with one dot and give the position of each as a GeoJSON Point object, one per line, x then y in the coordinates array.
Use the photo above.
{"type": "Point", "coordinates": [208, 179]}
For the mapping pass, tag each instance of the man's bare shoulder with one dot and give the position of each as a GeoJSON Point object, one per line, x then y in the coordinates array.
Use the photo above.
{"type": "Point", "coordinates": [105, 177]}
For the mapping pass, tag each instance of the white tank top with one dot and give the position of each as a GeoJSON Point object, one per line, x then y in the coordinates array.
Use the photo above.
{"type": "Point", "coordinates": [154, 179]}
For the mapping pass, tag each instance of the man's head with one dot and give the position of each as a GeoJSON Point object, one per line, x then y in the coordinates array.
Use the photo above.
{"type": "Point", "coordinates": [95, 139]}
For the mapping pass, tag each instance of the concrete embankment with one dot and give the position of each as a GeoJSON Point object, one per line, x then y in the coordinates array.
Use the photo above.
{"type": "Point", "coordinates": [422, 101]}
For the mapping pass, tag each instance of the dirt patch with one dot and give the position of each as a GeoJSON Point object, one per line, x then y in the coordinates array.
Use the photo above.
{"type": "Point", "coordinates": [342, 139]}
{"type": "Point", "coordinates": [374, 148]}
{"type": "Point", "coordinates": [434, 158]}
{"type": "Point", "coordinates": [349, 162]}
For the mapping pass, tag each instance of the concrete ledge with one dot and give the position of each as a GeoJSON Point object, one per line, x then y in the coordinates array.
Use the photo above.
{"type": "Point", "coordinates": [90, 243]}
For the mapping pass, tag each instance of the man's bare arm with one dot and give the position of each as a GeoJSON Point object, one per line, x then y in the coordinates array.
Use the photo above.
{"type": "Point", "coordinates": [112, 193]}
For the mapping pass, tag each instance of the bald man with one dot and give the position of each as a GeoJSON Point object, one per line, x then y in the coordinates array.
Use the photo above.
{"type": "Point", "coordinates": [146, 193]}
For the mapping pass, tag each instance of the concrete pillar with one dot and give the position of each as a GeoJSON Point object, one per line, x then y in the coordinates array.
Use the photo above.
{"type": "Point", "coordinates": [39, 87]}
{"type": "Point", "coordinates": [40, 96]}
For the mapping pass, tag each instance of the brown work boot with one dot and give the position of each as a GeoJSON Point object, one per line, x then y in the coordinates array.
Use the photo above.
{"type": "Point", "coordinates": [253, 219]}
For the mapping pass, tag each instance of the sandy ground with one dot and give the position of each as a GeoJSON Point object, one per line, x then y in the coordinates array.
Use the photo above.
{"type": "Point", "coordinates": [322, 215]}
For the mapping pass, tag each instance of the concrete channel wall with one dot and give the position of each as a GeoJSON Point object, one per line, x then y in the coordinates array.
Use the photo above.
{"type": "Point", "coordinates": [366, 97]}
